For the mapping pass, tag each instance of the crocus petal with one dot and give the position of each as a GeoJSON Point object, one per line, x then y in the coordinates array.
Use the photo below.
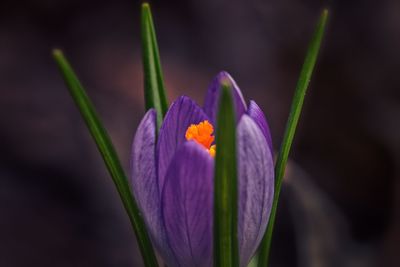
{"type": "Point", "coordinates": [144, 181]}
{"type": "Point", "coordinates": [256, 186]}
{"type": "Point", "coordinates": [143, 169]}
{"type": "Point", "coordinates": [212, 97]}
{"type": "Point", "coordinates": [258, 116]}
{"type": "Point", "coordinates": [179, 117]}
{"type": "Point", "coordinates": [187, 205]}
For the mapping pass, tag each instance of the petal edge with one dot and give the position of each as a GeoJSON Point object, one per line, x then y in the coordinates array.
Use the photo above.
{"type": "Point", "coordinates": [258, 116]}
{"type": "Point", "coordinates": [212, 97]}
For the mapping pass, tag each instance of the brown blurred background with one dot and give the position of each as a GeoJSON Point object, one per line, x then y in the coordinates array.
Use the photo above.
{"type": "Point", "coordinates": [58, 205]}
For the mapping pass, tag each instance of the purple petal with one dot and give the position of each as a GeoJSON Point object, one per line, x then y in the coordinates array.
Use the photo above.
{"type": "Point", "coordinates": [258, 116]}
{"type": "Point", "coordinates": [212, 97]}
{"type": "Point", "coordinates": [179, 117]}
{"type": "Point", "coordinates": [187, 205]}
{"type": "Point", "coordinates": [143, 169]}
{"type": "Point", "coordinates": [144, 182]}
{"type": "Point", "coordinates": [256, 186]}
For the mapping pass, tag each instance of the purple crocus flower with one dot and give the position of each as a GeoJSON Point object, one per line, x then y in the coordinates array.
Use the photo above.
{"type": "Point", "coordinates": [172, 177]}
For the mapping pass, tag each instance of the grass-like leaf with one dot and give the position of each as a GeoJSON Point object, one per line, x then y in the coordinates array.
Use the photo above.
{"type": "Point", "coordinates": [154, 89]}
{"type": "Point", "coordinates": [291, 125]}
{"type": "Point", "coordinates": [109, 155]}
{"type": "Point", "coordinates": [226, 253]}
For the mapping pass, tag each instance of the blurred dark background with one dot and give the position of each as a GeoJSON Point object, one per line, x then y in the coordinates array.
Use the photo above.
{"type": "Point", "coordinates": [58, 204]}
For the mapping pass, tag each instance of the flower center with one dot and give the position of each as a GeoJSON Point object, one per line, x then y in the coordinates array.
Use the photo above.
{"type": "Point", "coordinates": [202, 133]}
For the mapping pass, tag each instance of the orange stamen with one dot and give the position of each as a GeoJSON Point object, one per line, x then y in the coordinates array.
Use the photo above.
{"type": "Point", "coordinates": [202, 133]}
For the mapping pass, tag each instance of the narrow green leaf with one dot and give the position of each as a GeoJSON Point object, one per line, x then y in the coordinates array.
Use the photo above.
{"type": "Point", "coordinates": [109, 155]}
{"type": "Point", "coordinates": [226, 253]}
{"type": "Point", "coordinates": [154, 89]}
{"type": "Point", "coordinates": [291, 125]}
{"type": "Point", "coordinates": [254, 261]}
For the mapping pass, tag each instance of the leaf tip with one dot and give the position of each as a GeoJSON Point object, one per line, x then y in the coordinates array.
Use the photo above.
{"type": "Point", "coordinates": [56, 52]}
{"type": "Point", "coordinates": [226, 84]}
{"type": "Point", "coordinates": [324, 14]}
{"type": "Point", "coordinates": [145, 7]}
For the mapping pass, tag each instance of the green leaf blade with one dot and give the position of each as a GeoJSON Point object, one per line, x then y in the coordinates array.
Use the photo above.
{"type": "Point", "coordinates": [226, 252]}
{"type": "Point", "coordinates": [291, 125]}
{"type": "Point", "coordinates": [154, 88]}
{"type": "Point", "coordinates": [109, 155]}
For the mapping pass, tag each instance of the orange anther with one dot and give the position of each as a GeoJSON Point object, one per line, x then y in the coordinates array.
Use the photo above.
{"type": "Point", "coordinates": [202, 133]}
